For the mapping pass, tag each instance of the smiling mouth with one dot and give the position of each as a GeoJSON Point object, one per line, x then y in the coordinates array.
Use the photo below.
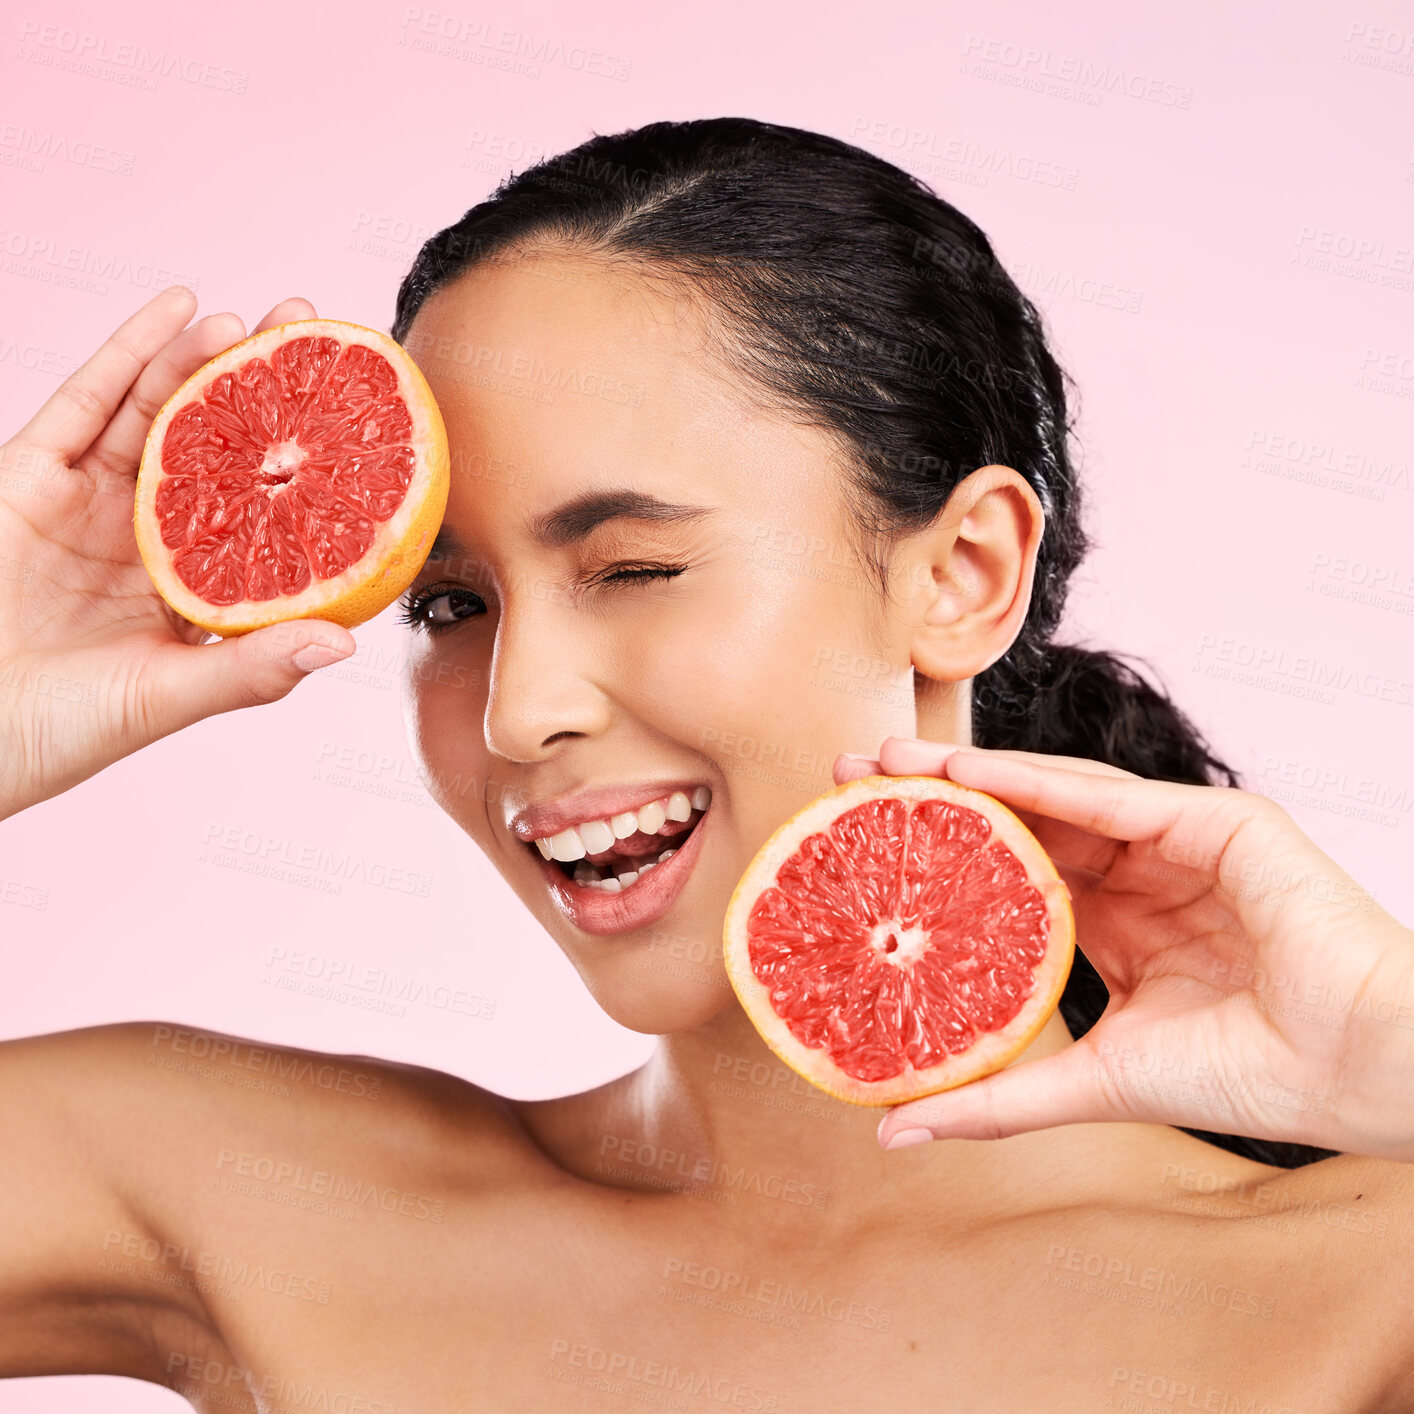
{"type": "Point", "coordinates": [627, 860]}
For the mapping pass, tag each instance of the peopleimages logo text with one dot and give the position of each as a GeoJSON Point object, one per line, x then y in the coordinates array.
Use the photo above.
{"type": "Point", "coordinates": [92, 49]}
{"type": "Point", "coordinates": [1083, 73]}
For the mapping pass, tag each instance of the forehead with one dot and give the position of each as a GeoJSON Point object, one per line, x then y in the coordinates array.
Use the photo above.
{"type": "Point", "coordinates": [548, 355]}
{"type": "Point", "coordinates": [561, 373]}
{"type": "Point", "coordinates": [549, 300]}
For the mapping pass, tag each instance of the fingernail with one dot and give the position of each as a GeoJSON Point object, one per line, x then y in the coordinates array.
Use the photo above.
{"type": "Point", "coordinates": [317, 655]}
{"type": "Point", "coordinates": [853, 756]}
{"type": "Point", "coordinates": [905, 1137]}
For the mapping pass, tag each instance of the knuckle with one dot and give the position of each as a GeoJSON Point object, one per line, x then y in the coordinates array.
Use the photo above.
{"type": "Point", "coordinates": [105, 462]}
{"type": "Point", "coordinates": [1251, 804]}
{"type": "Point", "coordinates": [991, 1125]}
{"type": "Point", "coordinates": [261, 689]}
{"type": "Point", "coordinates": [1107, 1068]}
{"type": "Point", "coordinates": [82, 396]}
{"type": "Point", "coordinates": [1266, 806]}
{"type": "Point", "coordinates": [126, 348]}
{"type": "Point", "coordinates": [261, 680]}
{"type": "Point", "coordinates": [146, 405]}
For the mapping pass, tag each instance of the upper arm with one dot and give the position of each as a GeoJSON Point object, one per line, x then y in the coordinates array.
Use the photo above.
{"type": "Point", "coordinates": [79, 1138]}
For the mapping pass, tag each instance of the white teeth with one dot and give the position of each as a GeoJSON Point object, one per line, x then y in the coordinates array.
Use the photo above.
{"type": "Point", "coordinates": [597, 836]}
{"type": "Point", "coordinates": [605, 884]}
{"type": "Point", "coordinates": [567, 845]}
{"type": "Point", "coordinates": [588, 874]}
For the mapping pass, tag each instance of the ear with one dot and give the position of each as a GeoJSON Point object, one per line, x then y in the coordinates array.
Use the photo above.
{"type": "Point", "coordinates": [971, 574]}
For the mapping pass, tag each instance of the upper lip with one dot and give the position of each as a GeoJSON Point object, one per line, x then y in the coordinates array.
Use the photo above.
{"type": "Point", "coordinates": [535, 822]}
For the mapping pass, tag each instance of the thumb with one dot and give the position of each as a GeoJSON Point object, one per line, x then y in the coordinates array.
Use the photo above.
{"type": "Point", "coordinates": [1066, 1088]}
{"type": "Point", "coordinates": [245, 671]}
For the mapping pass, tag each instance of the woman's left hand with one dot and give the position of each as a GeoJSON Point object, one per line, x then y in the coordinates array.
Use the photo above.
{"type": "Point", "coordinates": [1255, 987]}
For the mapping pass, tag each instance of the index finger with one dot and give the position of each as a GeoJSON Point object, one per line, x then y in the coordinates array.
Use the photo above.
{"type": "Point", "coordinates": [82, 405]}
{"type": "Point", "coordinates": [902, 756]}
{"type": "Point", "coordinates": [1112, 803]}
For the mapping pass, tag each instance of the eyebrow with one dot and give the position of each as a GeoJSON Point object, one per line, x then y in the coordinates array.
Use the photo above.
{"type": "Point", "coordinates": [577, 518]}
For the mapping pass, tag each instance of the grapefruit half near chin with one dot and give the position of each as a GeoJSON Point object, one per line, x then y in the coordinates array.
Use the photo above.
{"type": "Point", "coordinates": [302, 473]}
{"type": "Point", "coordinates": [898, 936]}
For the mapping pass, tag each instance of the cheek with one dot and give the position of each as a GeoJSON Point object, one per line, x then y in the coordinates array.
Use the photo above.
{"type": "Point", "coordinates": [745, 678]}
{"type": "Point", "coordinates": [444, 708]}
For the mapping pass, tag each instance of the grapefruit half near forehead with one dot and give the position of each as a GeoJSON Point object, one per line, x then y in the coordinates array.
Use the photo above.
{"type": "Point", "coordinates": [301, 474]}
{"type": "Point", "coordinates": [899, 936]}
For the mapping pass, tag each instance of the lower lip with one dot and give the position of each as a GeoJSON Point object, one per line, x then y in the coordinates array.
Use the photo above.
{"type": "Point", "coordinates": [645, 901]}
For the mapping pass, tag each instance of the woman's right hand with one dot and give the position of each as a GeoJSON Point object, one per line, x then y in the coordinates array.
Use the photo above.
{"type": "Point", "coordinates": [93, 662]}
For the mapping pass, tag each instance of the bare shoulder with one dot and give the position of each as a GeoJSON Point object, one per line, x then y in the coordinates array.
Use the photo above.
{"type": "Point", "coordinates": [1357, 1215]}
{"type": "Point", "coordinates": [379, 1111]}
{"type": "Point", "coordinates": [1281, 1275]}
{"type": "Point", "coordinates": [144, 1157]}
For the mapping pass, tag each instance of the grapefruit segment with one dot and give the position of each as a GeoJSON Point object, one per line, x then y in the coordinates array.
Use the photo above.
{"type": "Point", "coordinates": [899, 936]}
{"type": "Point", "coordinates": [302, 473]}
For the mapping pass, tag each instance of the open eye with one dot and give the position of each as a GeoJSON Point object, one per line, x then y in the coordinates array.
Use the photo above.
{"type": "Point", "coordinates": [440, 606]}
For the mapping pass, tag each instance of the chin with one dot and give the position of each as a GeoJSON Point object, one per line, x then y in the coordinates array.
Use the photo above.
{"type": "Point", "coordinates": [656, 994]}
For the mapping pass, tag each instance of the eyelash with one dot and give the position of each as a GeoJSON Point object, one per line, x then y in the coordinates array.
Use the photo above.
{"type": "Point", "coordinates": [414, 605]}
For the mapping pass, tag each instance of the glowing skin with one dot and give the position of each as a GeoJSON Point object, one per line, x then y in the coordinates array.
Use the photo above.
{"type": "Point", "coordinates": [161, 1217]}
{"type": "Point", "coordinates": [748, 672]}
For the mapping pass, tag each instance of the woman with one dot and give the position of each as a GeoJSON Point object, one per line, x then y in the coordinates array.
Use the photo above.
{"type": "Point", "coordinates": [799, 411]}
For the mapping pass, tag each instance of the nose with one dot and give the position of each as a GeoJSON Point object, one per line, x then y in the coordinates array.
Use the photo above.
{"type": "Point", "coordinates": [544, 685]}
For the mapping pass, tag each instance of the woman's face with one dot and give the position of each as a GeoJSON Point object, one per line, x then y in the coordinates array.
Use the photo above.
{"type": "Point", "coordinates": [759, 651]}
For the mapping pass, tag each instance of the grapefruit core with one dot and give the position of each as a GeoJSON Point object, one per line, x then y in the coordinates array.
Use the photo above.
{"type": "Point", "coordinates": [899, 936]}
{"type": "Point", "coordinates": [300, 474]}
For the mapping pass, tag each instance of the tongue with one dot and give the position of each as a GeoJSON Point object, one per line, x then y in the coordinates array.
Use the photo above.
{"type": "Point", "coordinates": [638, 845]}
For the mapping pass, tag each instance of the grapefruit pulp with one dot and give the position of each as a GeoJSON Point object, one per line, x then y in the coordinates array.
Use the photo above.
{"type": "Point", "coordinates": [302, 473]}
{"type": "Point", "coordinates": [898, 936]}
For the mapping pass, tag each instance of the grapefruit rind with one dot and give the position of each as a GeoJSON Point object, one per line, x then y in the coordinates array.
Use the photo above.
{"type": "Point", "coordinates": [402, 543]}
{"type": "Point", "coordinates": [993, 1050]}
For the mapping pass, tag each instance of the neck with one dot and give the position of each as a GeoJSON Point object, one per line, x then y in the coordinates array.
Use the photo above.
{"type": "Point", "coordinates": [733, 1116]}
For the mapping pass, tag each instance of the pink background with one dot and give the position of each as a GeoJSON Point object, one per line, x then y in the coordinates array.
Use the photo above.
{"type": "Point", "coordinates": [1214, 217]}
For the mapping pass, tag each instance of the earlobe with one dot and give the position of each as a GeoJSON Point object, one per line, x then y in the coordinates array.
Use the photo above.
{"type": "Point", "coordinates": [948, 657]}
